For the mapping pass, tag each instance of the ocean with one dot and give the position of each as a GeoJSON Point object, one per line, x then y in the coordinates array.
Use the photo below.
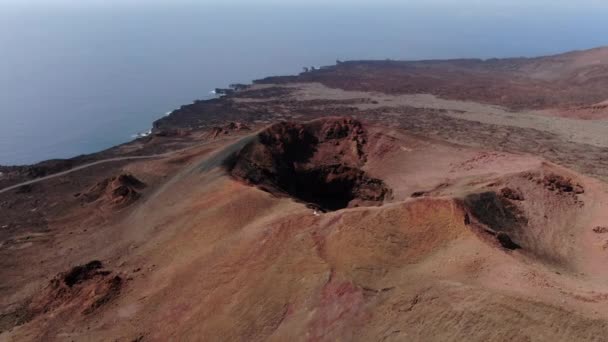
{"type": "Point", "coordinates": [77, 77]}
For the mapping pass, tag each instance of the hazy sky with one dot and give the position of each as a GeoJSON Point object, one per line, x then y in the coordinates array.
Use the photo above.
{"type": "Point", "coordinates": [432, 28]}
{"type": "Point", "coordinates": [375, 3]}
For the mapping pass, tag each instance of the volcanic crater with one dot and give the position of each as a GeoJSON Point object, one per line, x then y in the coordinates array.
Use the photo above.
{"type": "Point", "coordinates": [319, 163]}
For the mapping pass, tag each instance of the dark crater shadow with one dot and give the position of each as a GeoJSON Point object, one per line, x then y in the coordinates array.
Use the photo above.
{"type": "Point", "coordinates": [502, 218]}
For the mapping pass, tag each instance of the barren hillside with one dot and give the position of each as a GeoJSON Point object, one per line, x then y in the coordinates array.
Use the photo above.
{"type": "Point", "coordinates": [371, 200]}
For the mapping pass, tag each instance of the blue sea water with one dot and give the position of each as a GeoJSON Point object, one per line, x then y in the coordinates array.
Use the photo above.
{"type": "Point", "coordinates": [78, 77]}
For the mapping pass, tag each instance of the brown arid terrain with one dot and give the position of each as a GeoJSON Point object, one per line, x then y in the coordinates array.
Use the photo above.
{"type": "Point", "coordinates": [366, 201]}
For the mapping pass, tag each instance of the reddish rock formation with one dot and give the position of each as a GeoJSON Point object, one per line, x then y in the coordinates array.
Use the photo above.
{"type": "Point", "coordinates": [560, 183]}
{"type": "Point", "coordinates": [116, 192]}
{"type": "Point", "coordinates": [228, 128]}
{"type": "Point", "coordinates": [83, 289]}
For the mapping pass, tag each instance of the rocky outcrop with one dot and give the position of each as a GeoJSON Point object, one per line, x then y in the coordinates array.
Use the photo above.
{"type": "Point", "coordinates": [115, 192]}
{"type": "Point", "coordinates": [559, 183]}
{"type": "Point", "coordinates": [82, 289]}
{"type": "Point", "coordinates": [228, 128]}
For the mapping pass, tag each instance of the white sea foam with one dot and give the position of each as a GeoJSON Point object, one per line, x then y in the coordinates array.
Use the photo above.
{"type": "Point", "coordinates": [142, 134]}
{"type": "Point", "coordinates": [213, 92]}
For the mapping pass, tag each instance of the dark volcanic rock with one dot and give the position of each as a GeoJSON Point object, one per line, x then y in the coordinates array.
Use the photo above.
{"type": "Point", "coordinates": [224, 91]}
{"type": "Point", "coordinates": [81, 273]}
{"type": "Point", "coordinates": [506, 242]}
{"type": "Point", "coordinates": [494, 211]}
{"type": "Point", "coordinates": [206, 114]}
{"type": "Point", "coordinates": [25, 189]}
{"type": "Point", "coordinates": [559, 183]}
{"type": "Point", "coordinates": [512, 194]}
{"type": "Point", "coordinates": [600, 230]}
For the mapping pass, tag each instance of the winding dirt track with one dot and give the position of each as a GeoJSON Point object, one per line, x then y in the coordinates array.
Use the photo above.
{"type": "Point", "coordinates": [103, 161]}
{"type": "Point", "coordinates": [63, 173]}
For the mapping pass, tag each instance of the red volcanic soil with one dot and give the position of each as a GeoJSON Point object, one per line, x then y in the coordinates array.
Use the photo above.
{"type": "Point", "coordinates": [299, 212]}
{"type": "Point", "coordinates": [228, 247]}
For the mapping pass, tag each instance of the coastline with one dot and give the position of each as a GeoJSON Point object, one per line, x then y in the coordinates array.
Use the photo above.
{"type": "Point", "coordinates": [141, 144]}
{"type": "Point", "coordinates": [453, 80]}
{"type": "Point", "coordinates": [60, 164]}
